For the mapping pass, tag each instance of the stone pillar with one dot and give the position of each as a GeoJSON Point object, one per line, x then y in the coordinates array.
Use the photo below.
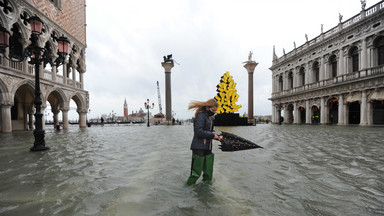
{"type": "Point", "coordinates": [65, 117]}
{"type": "Point", "coordinates": [341, 62]}
{"type": "Point", "coordinates": [307, 112]}
{"type": "Point", "coordinates": [322, 111]}
{"type": "Point", "coordinates": [286, 118]}
{"type": "Point", "coordinates": [81, 80]}
{"type": "Point", "coordinates": [363, 110]}
{"type": "Point", "coordinates": [82, 118]}
{"type": "Point", "coordinates": [168, 99]}
{"type": "Point", "coordinates": [321, 69]}
{"type": "Point", "coordinates": [6, 120]}
{"type": "Point", "coordinates": [25, 61]}
{"type": "Point", "coordinates": [341, 110]}
{"type": "Point", "coordinates": [55, 112]}
{"type": "Point", "coordinates": [369, 114]}
{"type": "Point", "coordinates": [363, 54]}
{"type": "Point", "coordinates": [73, 69]}
{"type": "Point", "coordinates": [250, 66]}
{"type": "Point", "coordinates": [295, 113]}
{"type": "Point", "coordinates": [273, 113]}
{"type": "Point", "coordinates": [54, 73]}
{"type": "Point", "coordinates": [65, 72]}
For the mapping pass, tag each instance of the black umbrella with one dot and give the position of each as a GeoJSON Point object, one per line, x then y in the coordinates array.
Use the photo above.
{"type": "Point", "coordinates": [232, 142]}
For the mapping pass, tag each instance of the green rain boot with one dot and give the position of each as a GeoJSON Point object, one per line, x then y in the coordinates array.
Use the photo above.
{"type": "Point", "coordinates": [197, 167]}
{"type": "Point", "coordinates": [208, 168]}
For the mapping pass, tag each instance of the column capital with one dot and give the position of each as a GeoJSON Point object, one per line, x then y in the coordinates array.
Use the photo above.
{"type": "Point", "coordinates": [250, 66]}
{"type": "Point", "coordinates": [167, 66]}
{"type": "Point", "coordinates": [82, 111]}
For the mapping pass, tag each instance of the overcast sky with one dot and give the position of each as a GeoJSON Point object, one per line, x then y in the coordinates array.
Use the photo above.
{"type": "Point", "coordinates": [127, 40]}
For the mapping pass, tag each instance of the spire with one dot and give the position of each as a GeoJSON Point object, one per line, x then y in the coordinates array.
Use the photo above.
{"type": "Point", "coordinates": [125, 102]}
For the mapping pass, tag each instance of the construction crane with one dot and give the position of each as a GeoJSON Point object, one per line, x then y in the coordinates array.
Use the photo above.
{"type": "Point", "coordinates": [159, 115]}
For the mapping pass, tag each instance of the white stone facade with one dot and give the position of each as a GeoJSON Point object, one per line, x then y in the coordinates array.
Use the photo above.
{"type": "Point", "coordinates": [58, 85]}
{"type": "Point", "coordinates": [335, 78]}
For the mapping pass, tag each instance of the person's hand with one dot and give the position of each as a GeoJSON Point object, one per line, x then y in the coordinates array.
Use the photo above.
{"type": "Point", "coordinates": [217, 137]}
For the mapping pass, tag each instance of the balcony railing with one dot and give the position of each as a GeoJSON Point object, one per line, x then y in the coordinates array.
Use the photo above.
{"type": "Point", "coordinates": [350, 77]}
{"type": "Point", "coordinates": [341, 26]}
{"type": "Point", "coordinates": [30, 69]}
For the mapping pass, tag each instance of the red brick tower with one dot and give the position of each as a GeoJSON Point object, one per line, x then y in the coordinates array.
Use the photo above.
{"type": "Point", "coordinates": [125, 108]}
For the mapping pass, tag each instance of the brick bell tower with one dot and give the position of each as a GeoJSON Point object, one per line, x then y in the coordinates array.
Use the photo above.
{"type": "Point", "coordinates": [125, 108]}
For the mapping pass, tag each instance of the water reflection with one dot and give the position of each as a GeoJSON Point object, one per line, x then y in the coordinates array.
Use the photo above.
{"type": "Point", "coordinates": [135, 170]}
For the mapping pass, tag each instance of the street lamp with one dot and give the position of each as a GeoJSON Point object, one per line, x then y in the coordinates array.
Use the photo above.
{"type": "Point", "coordinates": [37, 55]}
{"type": "Point", "coordinates": [146, 105]}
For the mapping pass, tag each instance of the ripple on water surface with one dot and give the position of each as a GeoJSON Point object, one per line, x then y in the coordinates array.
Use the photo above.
{"type": "Point", "coordinates": [136, 170]}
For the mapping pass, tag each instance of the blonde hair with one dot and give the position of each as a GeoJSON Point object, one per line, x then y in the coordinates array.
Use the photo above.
{"type": "Point", "coordinates": [200, 106]}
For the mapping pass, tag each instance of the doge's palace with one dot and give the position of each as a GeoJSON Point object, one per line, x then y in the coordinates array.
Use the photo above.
{"type": "Point", "coordinates": [59, 85]}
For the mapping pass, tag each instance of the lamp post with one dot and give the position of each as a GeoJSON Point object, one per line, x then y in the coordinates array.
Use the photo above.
{"type": "Point", "coordinates": [147, 106]}
{"type": "Point", "coordinates": [37, 55]}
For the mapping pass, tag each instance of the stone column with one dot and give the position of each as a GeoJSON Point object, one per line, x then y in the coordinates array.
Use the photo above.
{"type": "Point", "coordinates": [73, 69]}
{"type": "Point", "coordinates": [295, 113]}
{"type": "Point", "coordinates": [286, 118]}
{"type": "Point", "coordinates": [81, 80]}
{"type": "Point", "coordinates": [55, 112]}
{"type": "Point", "coordinates": [65, 72]}
{"type": "Point", "coordinates": [369, 114]}
{"type": "Point", "coordinates": [307, 112]}
{"type": "Point", "coordinates": [250, 66]}
{"type": "Point", "coordinates": [363, 54]}
{"type": "Point", "coordinates": [65, 117]}
{"type": "Point", "coordinates": [322, 111]}
{"type": "Point", "coordinates": [82, 118]}
{"type": "Point", "coordinates": [168, 99]}
{"type": "Point", "coordinates": [363, 110]}
{"type": "Point", "coordinates": [24, 63]}
{"type": "Point", "coordinates": [6, 120]}
{"type": "Point", "coordinates": [321, 69]}
{"type": "Point", "coordinates": [341, 110]}
{"type": "Point", "coordinates": [54, 73]}
{"type": "Point", "coordinates": [341, 62]}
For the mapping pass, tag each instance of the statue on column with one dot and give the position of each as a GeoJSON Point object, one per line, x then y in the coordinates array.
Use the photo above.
{"type": "Point", "coordinates": [168, 58]}
{"type": "Point", "coordinates": [250, 56]}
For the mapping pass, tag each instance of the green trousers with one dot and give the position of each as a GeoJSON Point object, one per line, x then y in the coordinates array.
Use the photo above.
{"type": "Point", "coordinates": [199, 165]}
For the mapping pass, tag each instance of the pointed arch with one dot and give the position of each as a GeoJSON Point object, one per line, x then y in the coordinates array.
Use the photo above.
{"type": "Point", "coordinates": [59, 93]}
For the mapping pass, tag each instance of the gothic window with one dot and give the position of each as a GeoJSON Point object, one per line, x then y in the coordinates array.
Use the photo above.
{"type": "Point", "coordinates": [354, 58]}
{"type": "Point", "coordinates": [316, 72]}
{"type": "Point", "coordinates": [333, 65]}
{"type": "Point", "coordinates": [380, 51]}
{"type": "Point", "coordinates": [15, 47]}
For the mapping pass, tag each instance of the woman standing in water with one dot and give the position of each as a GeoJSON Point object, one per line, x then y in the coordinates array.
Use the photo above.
{"type": "Point", "coordinates": [202, 156]}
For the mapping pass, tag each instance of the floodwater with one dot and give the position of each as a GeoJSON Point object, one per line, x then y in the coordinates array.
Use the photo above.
{"type": "Point", "coordinates": [136, 170]}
